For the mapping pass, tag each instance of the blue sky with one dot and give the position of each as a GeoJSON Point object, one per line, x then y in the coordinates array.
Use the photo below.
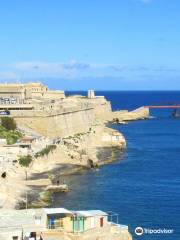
{"type": "Point", "coordinates": [99, 44]}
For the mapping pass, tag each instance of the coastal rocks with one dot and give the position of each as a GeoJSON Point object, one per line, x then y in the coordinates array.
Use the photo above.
{"type": "Point", "coordinates": [57, 188]}
{"type": "Point", "coordinates": [80, 149]}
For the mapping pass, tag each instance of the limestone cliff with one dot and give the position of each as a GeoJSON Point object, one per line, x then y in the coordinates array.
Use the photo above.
{"type": "Point", "coordinates": [83, 149]}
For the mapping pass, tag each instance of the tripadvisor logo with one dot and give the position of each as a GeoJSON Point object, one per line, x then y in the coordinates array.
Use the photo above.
{"type": "Point", "coordinates": [138, 231]}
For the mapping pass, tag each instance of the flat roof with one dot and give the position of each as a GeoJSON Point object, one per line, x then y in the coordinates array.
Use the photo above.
{"type": "Point", "coordinates": [91, 213]}
{"type": "Point", "coordinates": [57, 210]}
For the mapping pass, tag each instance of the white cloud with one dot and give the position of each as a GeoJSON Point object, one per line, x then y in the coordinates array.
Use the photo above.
{"type": "Point", "coordinates": [78, 70]}
{"type": "Point", "coordinates": [73, 64]}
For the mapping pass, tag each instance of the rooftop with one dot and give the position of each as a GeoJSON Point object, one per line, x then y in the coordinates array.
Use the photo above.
{"type": "Point", "coordinates": [57, 210]}
{"type": "Point", "coordinates": [91, 213]}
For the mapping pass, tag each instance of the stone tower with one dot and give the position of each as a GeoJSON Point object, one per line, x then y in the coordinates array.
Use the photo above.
{"type": "Point", "coordinates": [91, 94]}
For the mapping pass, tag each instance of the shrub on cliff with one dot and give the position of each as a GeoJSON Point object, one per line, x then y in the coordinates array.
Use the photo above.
{"type": "Point", "coordinates": [8, 123]}
{"type": "Point", "coordinates": [13, 136]}
{"type": "Point", "coordinates": [10, 136]}
{"type": "Point", "coordinates": [25, 160]}
{"type": "Point", "coordinates": [45, 151]}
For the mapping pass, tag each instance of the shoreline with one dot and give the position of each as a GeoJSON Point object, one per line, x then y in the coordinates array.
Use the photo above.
{"type": "Point", "coordinates": [37, 184]}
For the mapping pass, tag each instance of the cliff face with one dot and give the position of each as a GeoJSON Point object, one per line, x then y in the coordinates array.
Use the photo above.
{"type": "Point", "coordinates": [87, 149]}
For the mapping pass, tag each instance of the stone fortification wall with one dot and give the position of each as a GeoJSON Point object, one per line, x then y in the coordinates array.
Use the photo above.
{"type": "Point", "coordinates": [59, 125]}
{"type": "Point", "coordinates": [102, 107]}
{"type": "Point", "coordinates": [65, 119]}
{"type": "Point", "coordinates": [103, 110]}
{"type": "Point", "coordinates": [54, 94]}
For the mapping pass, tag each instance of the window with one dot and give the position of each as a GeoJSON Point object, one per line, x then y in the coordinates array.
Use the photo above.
{"type": "Point", "coordinates": [37, 220]}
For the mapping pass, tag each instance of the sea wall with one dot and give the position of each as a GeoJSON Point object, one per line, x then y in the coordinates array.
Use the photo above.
{"type": "Point", "coordinates": [137, 114]}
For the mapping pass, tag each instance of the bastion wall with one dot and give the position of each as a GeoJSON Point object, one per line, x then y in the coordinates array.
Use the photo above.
{"type": "Point", "coordinates": [60, 125]}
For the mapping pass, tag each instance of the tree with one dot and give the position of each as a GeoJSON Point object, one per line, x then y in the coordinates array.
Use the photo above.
{"type": "Point", "coordinates": [25, 160]}
{"type": "Point", "coordinates": [8, 123]}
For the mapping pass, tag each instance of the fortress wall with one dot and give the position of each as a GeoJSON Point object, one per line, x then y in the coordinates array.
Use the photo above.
{"type": "Point", "coordinates": [103, 111]}
{"type": "Point", "coordinates": [67, 121]}
{"type": "Point", "coordinates": [54, 94]}
{"type": "Point", "coordinates": [61, 125]}
{"type": "Point", "coordinates": [102, 107]}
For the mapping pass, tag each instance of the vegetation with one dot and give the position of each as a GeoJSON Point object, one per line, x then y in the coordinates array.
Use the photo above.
{"type": "Point", "coordinates": [25, 160]}
{"type": "Point", "coordinates": [45, 151]}
{"type": "Point", "coordinates": [8, 123]}
{"type": "Point", "coordinates": [11, 136]}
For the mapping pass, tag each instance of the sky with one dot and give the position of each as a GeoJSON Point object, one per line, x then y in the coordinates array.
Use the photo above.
{"type": "Point", "coordinates": [91, 44]}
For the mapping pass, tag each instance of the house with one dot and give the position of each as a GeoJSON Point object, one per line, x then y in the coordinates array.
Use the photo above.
{"type": "Point", "coordinates": [86, 220]}
{"type": "Point", "coordinates": [75, 221]}
{"type": "Point", "coordinates": [59, 218]}
{"type": "Point", "coordinates": [25, 142]}
{"type": "Point", "coordinates": [27, 139]}
{"type": "Point", "coordinates": [30, 223]}
{"type": "Point", "coordinates": [18, 223]}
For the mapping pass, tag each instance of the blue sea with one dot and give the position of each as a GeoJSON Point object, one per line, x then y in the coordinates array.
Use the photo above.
{"type": "Point", "coordinates": [143, 184]}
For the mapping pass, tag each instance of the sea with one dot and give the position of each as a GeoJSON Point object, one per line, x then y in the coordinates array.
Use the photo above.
{"type": "Point", "coordinates": [143, 185]}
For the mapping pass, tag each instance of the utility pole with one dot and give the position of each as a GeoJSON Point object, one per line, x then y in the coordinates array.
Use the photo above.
{"type": "Point", "coordinates": [26, 174]}
{"type": "Point", "coordinates": [22, 234]}
{"type": "Point", "coordinates": [26, 200]}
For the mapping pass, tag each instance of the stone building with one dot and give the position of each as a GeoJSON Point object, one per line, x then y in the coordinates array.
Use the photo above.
{"type": "Point", "coordinates": [18, 93]}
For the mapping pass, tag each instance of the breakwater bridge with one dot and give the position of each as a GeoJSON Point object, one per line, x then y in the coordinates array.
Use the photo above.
{"type": "Point", "coordinates": [163, 106]}
{"type": "Point", "coordinates": [175, 108]}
